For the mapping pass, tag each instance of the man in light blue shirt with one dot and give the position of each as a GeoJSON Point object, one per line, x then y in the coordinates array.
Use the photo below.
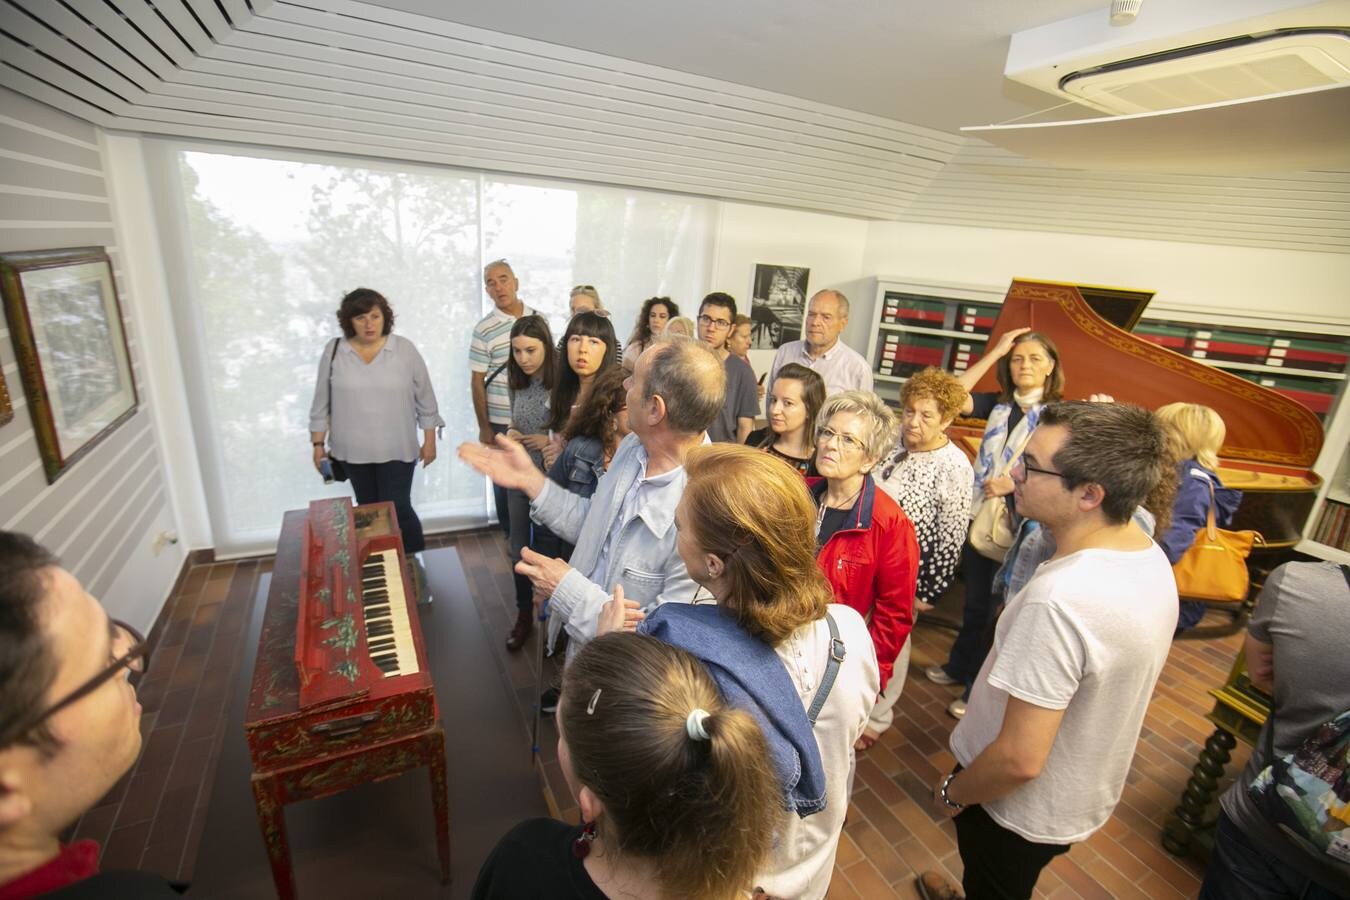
{"type": "Point", "coordinates": [624, 533]}
{"type": "Point", "coordinates": [840, 366]}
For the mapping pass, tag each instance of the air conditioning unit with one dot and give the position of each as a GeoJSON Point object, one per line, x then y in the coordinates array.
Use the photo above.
{"type": "Point", "coordinates": [1186, 54]}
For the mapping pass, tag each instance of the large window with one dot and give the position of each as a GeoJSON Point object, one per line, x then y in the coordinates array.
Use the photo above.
{"type": "Point", "coordinates": [273, 244]}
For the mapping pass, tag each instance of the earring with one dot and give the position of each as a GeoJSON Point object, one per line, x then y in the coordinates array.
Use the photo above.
{"type": "Point", "coordinates": [582, 845]}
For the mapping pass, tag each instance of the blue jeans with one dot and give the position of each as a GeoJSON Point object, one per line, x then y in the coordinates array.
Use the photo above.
{"type": "Point", "coordinates": [1240, 870]}
{"type": "Point", "coordinates": [392, 481]}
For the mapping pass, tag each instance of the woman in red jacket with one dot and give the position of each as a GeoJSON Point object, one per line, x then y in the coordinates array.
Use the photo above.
{"type": "Point", "coordinates": [866, 544]}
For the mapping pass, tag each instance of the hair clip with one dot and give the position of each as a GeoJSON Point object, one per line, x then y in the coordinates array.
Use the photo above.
{"type": "Point", "coordinates": [595, 698]}
{"type": "Point", "coordinates": [693, 726]}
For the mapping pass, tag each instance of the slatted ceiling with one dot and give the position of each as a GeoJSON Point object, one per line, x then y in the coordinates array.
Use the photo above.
{"type": "Point", "coordinates": [985, 186]}
{"type": "Point", "coordinates": [353, 78]}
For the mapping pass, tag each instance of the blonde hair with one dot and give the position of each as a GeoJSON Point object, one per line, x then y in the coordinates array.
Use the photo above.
{"type": "Point", "coordinates": [753, 512]}
{"type": "Point", "coordinates": [693, 808]}
{"type": "Point", "coordinates": [1193, 432]}
{"type": "Point", "coordinates": [679, 325]}
{"type": "Point", "coordinates": [878, 419]}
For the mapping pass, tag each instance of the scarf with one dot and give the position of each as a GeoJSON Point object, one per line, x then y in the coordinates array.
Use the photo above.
{"type": "Point", "coordinates": [991, 461]}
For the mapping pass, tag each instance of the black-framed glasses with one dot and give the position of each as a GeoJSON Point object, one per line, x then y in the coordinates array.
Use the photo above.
{"type": "Point", "coordinates": [136, 659]}
{"type": "Point", "coordinates": [583, 287]}
{"type": "Point", "coordinates": [710, 322]}
{"type": "Point", "coordinates": [846, 441]}
{"type": "Point", "coordinates": [1024, 467]}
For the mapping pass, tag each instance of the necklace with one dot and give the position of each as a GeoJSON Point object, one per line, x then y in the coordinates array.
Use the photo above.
{"type": "Point", "coordinates": [848, 504]}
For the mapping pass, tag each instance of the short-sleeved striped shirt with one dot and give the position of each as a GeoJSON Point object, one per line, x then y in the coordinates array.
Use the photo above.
{"type": "Point", "coordinates": [489, 348]}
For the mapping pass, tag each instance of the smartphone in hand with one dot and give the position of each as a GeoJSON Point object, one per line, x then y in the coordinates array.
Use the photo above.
{"type": "Point", "coordinates": [326, 470]}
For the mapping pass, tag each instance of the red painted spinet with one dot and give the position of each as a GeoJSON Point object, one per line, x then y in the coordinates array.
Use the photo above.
{"type": "Point", "coordinates": [341, 691]}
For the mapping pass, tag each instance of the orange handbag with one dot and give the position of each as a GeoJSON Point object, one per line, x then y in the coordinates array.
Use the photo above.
{"type": "Point", "coordinates": [1215, 566]}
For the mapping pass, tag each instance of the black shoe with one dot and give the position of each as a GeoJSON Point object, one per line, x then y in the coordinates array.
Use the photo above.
{"type": "Point", "coordinates": [548, 701]}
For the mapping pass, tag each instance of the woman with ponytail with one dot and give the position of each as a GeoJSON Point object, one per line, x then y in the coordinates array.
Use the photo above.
{"type": "Point", "coordinates": [673, 786]}
{"type": "Point", "coordinates": [775, 644]}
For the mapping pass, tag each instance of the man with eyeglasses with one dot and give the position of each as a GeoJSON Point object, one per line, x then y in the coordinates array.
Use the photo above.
{"type": "Point", "coordinates": [716, 317]}
{"type": "Point", "coordinates": [840, 366]}
{"type": "Point", "coordinates": [1052, 723]}
{"type": "Point", "coordinates": [69, 726]}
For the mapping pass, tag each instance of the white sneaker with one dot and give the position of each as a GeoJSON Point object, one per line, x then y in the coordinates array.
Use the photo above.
{"type": "Point", "coordinates": [957, 708]}
{"type": "Point", "coordinates": [938, 675]}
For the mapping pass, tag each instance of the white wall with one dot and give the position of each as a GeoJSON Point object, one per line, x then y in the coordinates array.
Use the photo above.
{"type": "Point", "coordinates": [830, 246]}
{"type": "Point", "coordinates": [1281, 285]}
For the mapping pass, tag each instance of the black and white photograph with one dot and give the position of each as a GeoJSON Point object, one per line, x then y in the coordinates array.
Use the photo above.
{"type": "Point", "coordinates": [778, 302]}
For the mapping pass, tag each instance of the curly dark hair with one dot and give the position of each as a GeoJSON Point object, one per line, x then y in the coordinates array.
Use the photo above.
{"type": "Point", "coordinates": [596, 416]}
{"type": "Point", "coordinates": [642, 333]}
{"type": "Point", "coordinates": [358, 303]}
{"type": "Point", "coordinates": [566, 384]}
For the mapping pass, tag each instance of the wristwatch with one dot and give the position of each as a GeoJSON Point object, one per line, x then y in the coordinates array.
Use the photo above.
{"type": "Point", "coordinates": [942, 791]}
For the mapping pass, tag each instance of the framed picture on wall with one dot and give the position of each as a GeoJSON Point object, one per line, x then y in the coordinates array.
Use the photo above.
{"type": "Point", "coordinates": [777, 305]}
{"type": "Point", "coordinates": [66, 324]}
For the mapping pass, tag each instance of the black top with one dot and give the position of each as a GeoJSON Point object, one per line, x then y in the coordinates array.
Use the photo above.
{"type": "Point", "coordinates": [535, 860]}
{"type": "Point", "coordinates": [805, 467]}
{"type": "Point", "coordinates": [833, 520]}
{"type": "Point", "coordinates": [984, 405]}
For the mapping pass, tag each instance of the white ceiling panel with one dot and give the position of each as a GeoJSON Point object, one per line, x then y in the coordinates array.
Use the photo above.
{"type": "Point", "coordinates": [355, 77]}
{"type": "Point", "coordinates": [671, 99]}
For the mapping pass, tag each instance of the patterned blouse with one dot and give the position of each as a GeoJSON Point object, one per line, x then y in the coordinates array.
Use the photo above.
{"type": "Point", "coordinates": [933, 488]}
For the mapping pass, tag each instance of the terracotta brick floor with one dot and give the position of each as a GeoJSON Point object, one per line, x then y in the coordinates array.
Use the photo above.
{"type": "Point", "coordinates": [153, 818]}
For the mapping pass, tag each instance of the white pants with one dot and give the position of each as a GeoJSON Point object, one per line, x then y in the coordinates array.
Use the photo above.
{"type": "Point", "coordinates": [884, 712]}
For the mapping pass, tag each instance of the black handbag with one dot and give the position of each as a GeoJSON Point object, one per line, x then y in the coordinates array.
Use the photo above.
{"type": "Point", "coordinates": [338, 470]}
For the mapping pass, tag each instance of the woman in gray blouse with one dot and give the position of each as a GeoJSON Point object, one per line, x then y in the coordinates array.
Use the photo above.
{"type": "Point", "coordinates": [371, 397]}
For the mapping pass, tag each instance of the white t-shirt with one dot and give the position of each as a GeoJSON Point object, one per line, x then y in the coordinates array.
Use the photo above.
{"type": "Point", "coordinates": [801, 863]}
{"type": "Point", "coordinates": [1089, 635]}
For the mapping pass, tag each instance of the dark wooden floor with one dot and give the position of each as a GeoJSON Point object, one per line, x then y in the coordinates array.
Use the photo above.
{"type": "Point", "coordinates": [153, 818]}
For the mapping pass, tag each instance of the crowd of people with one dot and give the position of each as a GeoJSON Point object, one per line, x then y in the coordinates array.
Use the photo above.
{"type": "Point", "coordinates": [737, 604]}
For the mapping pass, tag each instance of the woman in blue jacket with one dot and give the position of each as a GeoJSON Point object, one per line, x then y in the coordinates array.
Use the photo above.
{"type": "Point", "coordinates": [1195, 434]}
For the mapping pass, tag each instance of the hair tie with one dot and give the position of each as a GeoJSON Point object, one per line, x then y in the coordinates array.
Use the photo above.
{"type": "Point", "coordinates": [693, 726]}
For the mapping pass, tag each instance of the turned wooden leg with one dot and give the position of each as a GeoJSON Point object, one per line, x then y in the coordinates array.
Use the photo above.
{"type": "Point", "coordinates": [1180, 829]}
{"type": "Point", "coordinates": [440, 798]}
{"type": "Point", "coordinates": [272, 821]}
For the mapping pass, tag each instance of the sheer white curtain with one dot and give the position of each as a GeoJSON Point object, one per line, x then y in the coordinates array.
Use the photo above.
{"type": "Point", "coordinates": [272, 242]}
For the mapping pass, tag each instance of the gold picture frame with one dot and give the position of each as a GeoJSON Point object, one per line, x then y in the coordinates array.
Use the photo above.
{"type": "Point", "coordinates": [6, 407]}
{"type": "Point", "coordinates": [66, 324]}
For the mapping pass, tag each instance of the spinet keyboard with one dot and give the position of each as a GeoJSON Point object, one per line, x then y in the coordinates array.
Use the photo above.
{"type": "Point", "coordinates": [389, 640]}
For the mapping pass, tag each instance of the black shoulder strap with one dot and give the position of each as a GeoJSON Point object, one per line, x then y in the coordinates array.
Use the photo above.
{"type": "Point", "coordinates": [332, 357]}
{"type": "Point", "coordinates": [831, 670]}
{"type": "Point", "coordinates": [495, 372]}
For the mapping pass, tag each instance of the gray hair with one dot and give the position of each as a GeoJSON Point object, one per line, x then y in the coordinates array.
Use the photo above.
{"type": "Point", "coordinates": [498, 264]}
{"type": "Point", "coordinates": [838, 295]}
{"type": "Point", "coordinates": [692, 381]}
{"type": "Point", "coordinates": [878, 419]}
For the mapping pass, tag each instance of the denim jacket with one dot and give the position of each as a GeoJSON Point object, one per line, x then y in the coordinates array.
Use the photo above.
{"type": "Point", "coordinates": [642, 554]}
{"type": "Point", "coordinates": [578, 469]}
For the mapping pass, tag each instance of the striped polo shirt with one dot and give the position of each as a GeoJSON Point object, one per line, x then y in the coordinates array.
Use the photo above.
{"type": "Point", "coordinates": [489, 348]}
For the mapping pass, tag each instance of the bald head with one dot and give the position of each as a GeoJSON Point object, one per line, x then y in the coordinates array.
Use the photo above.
{"type": "Point", "coordinates": [690, 378]}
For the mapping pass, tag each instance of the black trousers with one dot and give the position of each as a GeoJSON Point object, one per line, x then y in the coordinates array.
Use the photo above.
{"type": "Point", "coordinates": [972, 641]}
{"type": "Point", "coordinates": [499, 494]}
{"type": "Point", "coordinates": [391, 481]}
{"type": "Point", "coordinates": [999, 864]}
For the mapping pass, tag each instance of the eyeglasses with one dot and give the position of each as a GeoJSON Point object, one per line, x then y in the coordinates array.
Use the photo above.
{"type": "Point", "coordinates": [583, 287]}
{"type": "Point", "coordinates": [136, 660]}
{"type": "Point", "coordinates": [710, 322]}
{"type": "Point", "coordinates": [1022, 466]}
{"type": "Point", "coordinates": [846, 441]}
